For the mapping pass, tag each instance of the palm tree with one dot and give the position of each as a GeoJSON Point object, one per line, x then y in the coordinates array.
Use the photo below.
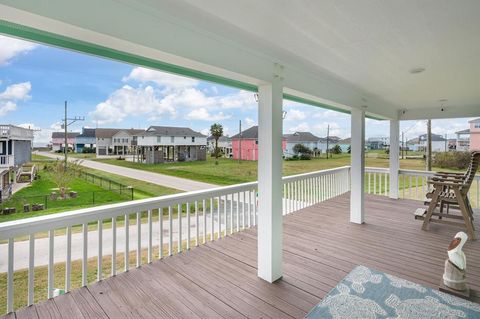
{"type": "Point", "coordinates": [216, 130]}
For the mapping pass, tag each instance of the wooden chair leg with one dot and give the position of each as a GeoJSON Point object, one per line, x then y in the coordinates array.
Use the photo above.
{"type": "Point", "coordinates": [431, 208]}
{"type": "Point", "coordinates": [466, 215]}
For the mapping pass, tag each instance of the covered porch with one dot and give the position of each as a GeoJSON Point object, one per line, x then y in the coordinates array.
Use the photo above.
{"type": "Point", "coordinates": [219, 279]}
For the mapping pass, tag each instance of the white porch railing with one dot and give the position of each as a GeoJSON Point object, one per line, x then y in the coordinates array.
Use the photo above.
{"type": "Point", "coordinates": [412, 184]}
{"type": "Point", "coordinates": [6, 160]}
{"type": "Point", "coordinates": [180, 221]}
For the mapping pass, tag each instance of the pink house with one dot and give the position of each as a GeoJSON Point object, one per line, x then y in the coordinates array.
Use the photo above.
{"type": "Point", "coordinates": [58, 140]}
{"type": "Point", "coordinates": [475, 135]}
{"type": "Point", "coordinates": [246, 147]}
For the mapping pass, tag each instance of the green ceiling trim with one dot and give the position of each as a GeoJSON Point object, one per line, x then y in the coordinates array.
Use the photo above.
{"type": "Point", "coordinates": [40, 36]}
{"type": "Point", "coordinates": [49, 38]}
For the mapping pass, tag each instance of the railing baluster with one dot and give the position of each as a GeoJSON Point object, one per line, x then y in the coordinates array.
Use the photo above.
{"type": "Point", "coordinates": [31, 269]}
{"type": "Point", "coordinates": [369, 180]}
{"type": "Point", "coordinates": [126, 256]}
{"type": "Point", "coordinates": [113, 270]}
{"type": "Point", "coordinates": [197, 226]}
{"type": "Point", "coordinates": [403, 190]}
{"type": "Point", "coordinates": [139, 239]}
{"type": "Point", "coordinates": [231, 213]}
{"type": "Point", "coordinates": [160, 233]}
{"type": "Point", "coordinates": [254, 205]}
{"type": "Point", "coordinates": [179, 239]}
{"type": "Point", "coordinates": [380, 190]}
{"type": "Point", "coordinates": [416, 187]}
{"type": "Point", "coordinates": [10, 275]}
{"type": "Point", "coordinates": [243, 210]}
{"type": "Point", "coordinates": [204, 208]}
{"type": "Point", "coordinates": [100, 250]}
{"type": "Point", "coordinates": [85, 255]}
{"type": "Point", "coordinates": [150, 236]}
{"type": "Point", "coordinates": [50, 279]}
{"type": "Point", "coordinates": [249, 209]}
{"type": "Point", "coordinates": [238, 211]}
{"type": "Point", "coordinates": [212, 221]}
{"type": "Point", "coordinates": [170, 231]}
{"type": "Point", "coordinates": [68, 264]}
{"type": "Point", "coordinates": [188, 225]}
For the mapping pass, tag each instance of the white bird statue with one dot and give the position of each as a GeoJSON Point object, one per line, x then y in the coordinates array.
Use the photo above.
{"type": "Point", "coordinates": [454, 276]}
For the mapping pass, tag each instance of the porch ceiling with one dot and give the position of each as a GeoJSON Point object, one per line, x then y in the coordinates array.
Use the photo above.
{"type": "Point", "coordinates": [343, 53]}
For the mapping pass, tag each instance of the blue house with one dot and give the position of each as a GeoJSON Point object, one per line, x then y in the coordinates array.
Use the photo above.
{"type": "Point", "coordinates": [86, 139]}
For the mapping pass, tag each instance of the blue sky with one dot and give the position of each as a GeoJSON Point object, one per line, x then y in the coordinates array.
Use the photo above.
{"type": "Point", "coordinates": [35, 80]}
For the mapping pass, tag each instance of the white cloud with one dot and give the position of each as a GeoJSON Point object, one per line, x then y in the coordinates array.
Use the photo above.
{"type": "Point", "coordinates": [11, 47]}
{"type": "Point", "coordinates": [202, 114]}
{"type": "Point", "coordinates": [158, 94]}
{"type": "Point", "coordinates": [295, 115]}
{"type": "Point", "coordinates": [161, 78]}
{"type": "Point", "coordinates": [249, 122]}
{"type": "Point", "coordinates": [302, 127]}
{"type": "Point", "coordinates": [335, 129]}
{"type": "Point", "coordinates": [129, 101]}
{"type": "Point", "coordinates": [13, 94]}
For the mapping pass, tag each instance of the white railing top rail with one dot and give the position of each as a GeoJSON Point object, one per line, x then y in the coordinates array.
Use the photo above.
{"type": "Point", "coordinates": [407, 172]}
{"type": "Point", "coordinates": [33, 225]}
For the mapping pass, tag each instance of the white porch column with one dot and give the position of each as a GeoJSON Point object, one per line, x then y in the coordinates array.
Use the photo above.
{"type": "Point", "coordinates": [270, 226]}
{"type": "Point", "coordinates": [394, 157]}
{"type": "Point", "coordinates": [357, 170]}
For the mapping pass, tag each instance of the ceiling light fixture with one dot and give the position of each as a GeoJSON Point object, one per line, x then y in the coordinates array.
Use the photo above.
{"type": "Point", "coordinates": [417, 70]}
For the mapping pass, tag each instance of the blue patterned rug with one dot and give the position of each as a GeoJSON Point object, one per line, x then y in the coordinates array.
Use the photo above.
{"type": "Point", "coordinates": [369, 294]}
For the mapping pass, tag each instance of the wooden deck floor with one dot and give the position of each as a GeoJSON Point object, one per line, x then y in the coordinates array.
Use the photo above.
{"type": "Point", "coordinates": [218, 280]}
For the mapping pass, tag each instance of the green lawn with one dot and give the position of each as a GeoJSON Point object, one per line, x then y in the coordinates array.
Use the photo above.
{"type": "Point", "coordinates": [89, 194]}
{"type": "Point", "coordinates": [229, 171]}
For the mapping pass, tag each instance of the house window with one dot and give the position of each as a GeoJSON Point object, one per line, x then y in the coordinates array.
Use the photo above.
{"type": "Point", "coordinates": [184, 137]}
{"type": "Point", "coordinates": [256, 142]}
{"type": "Point", "coordinates": [193, 139]}
{"type": "Point", "coordinates": [159, 138]}
{"type": "Point", "coordinates": [172, 139]}
{"type": "Point", "coordinates": [477, 125]}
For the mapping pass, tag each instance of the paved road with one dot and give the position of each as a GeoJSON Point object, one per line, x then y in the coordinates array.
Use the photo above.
{"type": "Point", "coordinates": [151, 177]}
{"type": "Point", "coordinates": [21, 250]}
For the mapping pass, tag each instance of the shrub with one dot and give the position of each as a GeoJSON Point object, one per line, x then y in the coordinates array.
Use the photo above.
{"type": "Point", "coordinates": [336, 149]}
{"type": "Point", "coordinates": [458, 160]}
{"type": "Point", "coordinates": [301, 149]}
{"type": "Point", "coordinates": [88, 150]}
{"type": "Point", "coordinates": [305, 156]}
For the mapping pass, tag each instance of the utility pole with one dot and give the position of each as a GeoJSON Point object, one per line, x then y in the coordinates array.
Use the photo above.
{"type": "Point", "coordinates": [429, 145]}
{"type": "Point", "coordinates": [328, 137]}
{"type": "Point", "coordinates": [446, 143]}
{"type": "Point", "coordinates": [66, 124]}
{"type": "Point", "coordinates": [239, 141]}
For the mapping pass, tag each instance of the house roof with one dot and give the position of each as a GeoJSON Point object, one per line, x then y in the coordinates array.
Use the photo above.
{"type": "Point", "coordinates": [172, 131]}
{"type": "Point", "coordinates": [475, 121]}
{"type": "Point", "coordinates": [435, 138]}
{"type": "Point", "coordinates": [331, 139]}
{"type": "Point", "coordinates": [105, 132]}
{"type": "Point", "coordinates": [301, 137]}
{"type": "Point", "coordinates": [109, 132]}
{"type": "Point", "coordinates": [248, 133]}
{"type": "Point", "coordinates": [62, 134]}
{"type": "Point", "coordinates": [467, 131]}
{"type": "Point", "coordinates": [87, 132]}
